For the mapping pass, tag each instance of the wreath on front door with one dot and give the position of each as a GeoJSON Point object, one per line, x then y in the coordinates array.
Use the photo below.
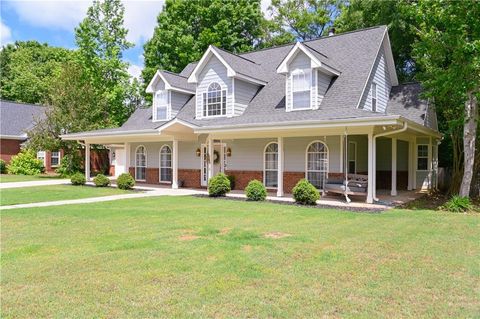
{"type": "Point", "coordinates": [216, 157]}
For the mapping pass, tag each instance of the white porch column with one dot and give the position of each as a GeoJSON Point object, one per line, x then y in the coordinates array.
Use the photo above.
{"type": "Point", "coordinates": [394, 167]}
{"type": "Point", "coordinates": [281, 158]}
{"type": "Point", "coordinates": [341, 154]}
{"type": "Point", "coordinates": [374, 159]}
{"type": "Point", "coordinates": [87, 161]}
{"type": "Point", "coordinates": [175, 164]}
{"type": "Point", "coordinates": [210, 158]}
{"type": "Point", "coordinates": [410, 165]}
{"type": "Point", "coordinates": [127, 158]}
{"type": "Point", "coordinates": [430, 163]}
{"type": "Point", "coordinates": [371, 176]}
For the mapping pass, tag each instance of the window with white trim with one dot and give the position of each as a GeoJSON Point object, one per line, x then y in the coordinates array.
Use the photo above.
{"type": "Point", "coordinates": [54, 158]}
{"type": "Point", "coordinates": [301, 86]}
{"type": "Point", "coordinates": [141, 163]}
{"type": "Point", "coordinates": [422, 157]}
{"type": "Point", "coordinates": [214, 101]}
{"type": "Point", "coordinates": [165, 164]}
{"type": "Point", "coordinates": [374, 97]}
{"type": "Point", "coordinates": [160, 106]}
{"type": "Point", "coordinates": [317, 164]}
{"type": "Point", "coordinates": [41, 156]}
{"type": "Point", "coordinates": [270, 166]}
{"type": "Point", "coordinates": [352, 157]}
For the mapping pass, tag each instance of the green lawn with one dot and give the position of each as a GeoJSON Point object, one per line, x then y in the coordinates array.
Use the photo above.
{"type": "Point", "coordinates": [12, 196]}
{"type": "Point", "coordinates": [7, 178]}
{"type": "Point", "coordinates": [185, 257]}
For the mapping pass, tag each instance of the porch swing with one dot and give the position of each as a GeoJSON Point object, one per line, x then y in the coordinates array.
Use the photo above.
{"type": "Point", "coordinates": [351, 184]}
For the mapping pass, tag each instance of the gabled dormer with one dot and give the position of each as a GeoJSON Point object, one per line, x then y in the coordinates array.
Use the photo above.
{"type": "Point", "coordinates": [308, 76]}
{"type": "Point", "coordinates": [225, 83]}
{"type": "Point", "coordinates": [170, 92]}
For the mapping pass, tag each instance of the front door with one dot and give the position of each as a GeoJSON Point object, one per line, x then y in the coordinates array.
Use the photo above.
{"type": "Point", "coordinates": [218, 159]}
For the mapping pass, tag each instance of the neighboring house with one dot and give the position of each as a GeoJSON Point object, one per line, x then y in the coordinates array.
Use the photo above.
{"type": "Point", "coordinates": [314, 110]}
{"type": "Point", "coordinates": [16, 119]}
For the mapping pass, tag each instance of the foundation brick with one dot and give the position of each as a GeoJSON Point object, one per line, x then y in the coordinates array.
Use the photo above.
{"type": "Point", "coordinates": [189, 177]}
{"type": "Point", "coordinates": [243, 177]}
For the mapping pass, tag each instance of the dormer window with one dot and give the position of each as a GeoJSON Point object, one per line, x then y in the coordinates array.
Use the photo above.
{"type": "Point", "coordinates": [160, 106]}
{"type": "Point", "coordinates": [301, 86]}
{"type": "Point", "coordinates": [214, 101]}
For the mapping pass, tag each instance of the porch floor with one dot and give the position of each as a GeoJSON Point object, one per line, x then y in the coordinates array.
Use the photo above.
{"type": "Point", "coordinates": [386, 201]}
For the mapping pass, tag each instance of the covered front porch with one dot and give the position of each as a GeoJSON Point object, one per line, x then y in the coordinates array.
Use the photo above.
{"type": "Point", "coordinates": [396, 156]}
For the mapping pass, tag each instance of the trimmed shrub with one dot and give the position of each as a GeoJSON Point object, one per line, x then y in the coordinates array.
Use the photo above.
{"type": "Point", "coordinates": [101, 180]}
{"type": "Point", "coordinates": [25, 163]}
{"type": "Point", "coordinates": [218, 185]}
{"type": "Point", "coordinates": [125, 181]}
{"type": "Point", "coordinates": [231, 178]}
{"type": "Point", "coordinates": [305, 193]}
{"type": "Point", "coordinates": [3, 167]}
{"type": "Point", "coordinates": [70, 164]}
{"type": "Point", "coordinates": [78, 179]}
{"type": "Point", "coordinates": [256, 191]}
{"type": "Point", "coordinates": [458, 204]}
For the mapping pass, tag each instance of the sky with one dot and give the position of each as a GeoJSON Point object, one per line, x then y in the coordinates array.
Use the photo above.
{"type": "Point", "coordinates": [53, 22]}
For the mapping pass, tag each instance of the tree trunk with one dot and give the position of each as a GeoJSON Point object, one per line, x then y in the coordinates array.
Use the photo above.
{"type": "Point", "coordinates": [469, 135]}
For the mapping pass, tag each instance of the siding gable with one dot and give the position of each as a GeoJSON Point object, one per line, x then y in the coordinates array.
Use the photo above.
{"type": "Point", "coordinates": [381, 77]}
{"type": "Point", "coordinates": [244, 93]}
{"type": "Point", "coordinates": [214, 71]}
{"type": "Point", "coordinates": [177, 101]}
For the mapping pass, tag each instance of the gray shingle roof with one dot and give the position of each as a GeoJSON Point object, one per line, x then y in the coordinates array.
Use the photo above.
{"type": "Point", "coordinates": [17, 118]}
{"type": "Point", "coordinates": [405, 100]}
{"type": "Point", "coordinates": [352, 53]}
{"type": "Point", "coordinates": [177, 80]}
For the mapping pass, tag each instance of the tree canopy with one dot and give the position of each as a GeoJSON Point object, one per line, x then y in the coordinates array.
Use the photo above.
{"type": "Point", "coordinates": [186, 28]}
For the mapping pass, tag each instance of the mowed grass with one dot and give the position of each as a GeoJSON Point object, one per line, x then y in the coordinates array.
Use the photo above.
{"type": "Point", "coordinates": [7, 178]}
{"type": "Point", "coordinates": [35, 194]}
{"type": "Point", "coordinates": [186, 257]}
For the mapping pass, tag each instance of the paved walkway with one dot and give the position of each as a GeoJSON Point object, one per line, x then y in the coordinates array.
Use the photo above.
{"type": "Point", "coordinates": [147, 192]}
{"type": "Point", "coordinates": [34, 183]}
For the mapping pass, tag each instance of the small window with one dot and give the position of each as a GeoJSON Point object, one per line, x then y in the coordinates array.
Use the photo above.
{"type": "Point", "coordinates": [214, 101]}
{"type": "Point", "coordinates": [317, 164]}
{"type": "Point", "coordinates": [422, 157]}
{"type": "Point", "coordinates": [161, 106]}
{"type": "Point", "coordinates": [374, 97]}
{"type": "Point", "coordinates": [270, 173]}
{"type": "Point", "coordinates": [301, 80]}
{"type": "Point", "coordinates": [41, 156]}
{"type": "Point", "coordinates": [352, 157]}
{"type": "Point", "coordinates": [165, 164]}
{"type": "Point", "coordinates": [55, 158]}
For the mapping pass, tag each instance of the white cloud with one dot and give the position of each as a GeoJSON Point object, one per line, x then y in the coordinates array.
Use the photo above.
{"type": "Point", "coordinates": [140, 15]}
{"type": "Point", "coordinates": [135, 71]}
{"type": "Point", "coordinates": [264, 5]}
{"type": "Point", "coordinates": [5, 34]}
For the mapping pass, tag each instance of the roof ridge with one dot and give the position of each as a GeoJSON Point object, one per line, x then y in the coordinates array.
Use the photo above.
{"type": "Point", "coordinates": [173, 73]}
{"type": "Point", "coordinates": [22, 103]}
{"type": "Point", "coordinates": [237, 55]}
{"type": "Point", "coordinates": [311, 40]}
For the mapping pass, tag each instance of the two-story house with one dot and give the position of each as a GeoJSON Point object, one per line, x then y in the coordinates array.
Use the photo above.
{"type": "Point", "coordinates": [318, 109]}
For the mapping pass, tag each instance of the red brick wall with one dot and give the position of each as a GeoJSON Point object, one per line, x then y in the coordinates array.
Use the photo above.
{"type": "Point", "coordinates": [243, 177]}
{"type": "Point", "coordinates": [8, 148]}
{"type": "Point", "coordinates": [190, 177]}
{"type": "Point", "coordinates": [152, 176]}
{"type": "Point", "coordinates": [131, 170]}
{"type": "Point", "coordinates": [290, 179]}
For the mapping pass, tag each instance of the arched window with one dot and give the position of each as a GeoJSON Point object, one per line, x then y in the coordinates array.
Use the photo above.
{"type": "Point", "coordinates": [214, 100]}
{"type": "Point", "coordinates": [165, 164]}
{"type": "Point", "coordinates": [317, 164]}
{"type": "Point", "coordinates": [301, 82]}
{"type": "Point", "coordinates": [270, 166]}
{"type": "Point", "coordinates": [141, 163]}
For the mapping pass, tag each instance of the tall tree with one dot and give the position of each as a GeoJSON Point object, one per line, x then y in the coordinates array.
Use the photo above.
{"type": "Point", "coordinates": [400, 19]}
{"type": "Point", "coordinates": [186, 28]}
{"type": "Point", "coordinates": [449, 51]}
{"type": "Point", "coordinates": [27, 70]}
{"type": "Point", "coordinates": [302, 19]}
{"type": "Point", "coordinates": [101, 39]}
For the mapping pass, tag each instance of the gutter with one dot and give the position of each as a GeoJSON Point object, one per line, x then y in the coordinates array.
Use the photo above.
{"type": "Point", "coordinates": [115, 133]}
{"type": "Point", "coordinates": [14, 137]}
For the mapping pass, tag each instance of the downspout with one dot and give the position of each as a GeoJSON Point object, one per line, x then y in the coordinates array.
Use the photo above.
{"type": "Point", "coordinates": [403, 129]}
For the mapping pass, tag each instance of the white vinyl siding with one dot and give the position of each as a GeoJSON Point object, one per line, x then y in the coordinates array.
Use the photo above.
{"type": "Point", "coordinates": [244, 93]}
{"type": "Point", "coordinates": [214, 71]}
{"type": "Point", "coordinates": [323, 82]}
{"type": "Point", "coordinates": [381, 78]}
